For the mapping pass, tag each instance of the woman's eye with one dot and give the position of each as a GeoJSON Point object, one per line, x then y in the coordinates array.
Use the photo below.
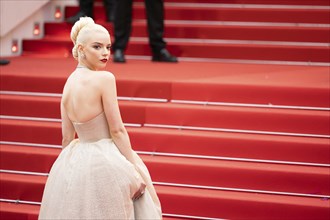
{"type": "Point", "coordinates": [109, 47]}
{"type": "Point", "coordinates": [97, 47]}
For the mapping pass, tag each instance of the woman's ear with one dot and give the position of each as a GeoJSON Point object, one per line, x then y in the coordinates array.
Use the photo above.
{"type": "Point", "coordinates": [80, 48]}
{"type": "Point", "coordinates": [81, 51]}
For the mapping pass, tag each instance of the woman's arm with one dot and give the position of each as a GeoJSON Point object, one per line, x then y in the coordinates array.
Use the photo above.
{"type": "Point", "coordinates": [116, 126]}
{"type": "Point", "coordinates": [68, 132]}
{"type": "Point", "coordinates": [111, 108]}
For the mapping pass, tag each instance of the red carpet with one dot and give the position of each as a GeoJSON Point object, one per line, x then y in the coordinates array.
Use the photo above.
{"type": "Point", "coordinates": [221, 140]}
{"type": "Point", "coordinates": [236, 30]}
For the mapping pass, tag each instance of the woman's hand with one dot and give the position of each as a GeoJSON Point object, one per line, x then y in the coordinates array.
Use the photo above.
{"type": "Point", "coordinates": [140, 192]}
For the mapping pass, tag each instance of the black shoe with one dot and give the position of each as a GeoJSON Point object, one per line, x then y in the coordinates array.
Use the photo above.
{"type": "Point", "coordinates": [164, 56]}
{"type": "Point", "coordinates": [119, 57]}
{"type": "Point", "coordinates": [73, 19]}
{"type": "Point", "coordinates": [4, 62]}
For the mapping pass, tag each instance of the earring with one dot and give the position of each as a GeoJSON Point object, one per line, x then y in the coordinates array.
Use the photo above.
{"type": "Point", "coordinates": [82, 55]}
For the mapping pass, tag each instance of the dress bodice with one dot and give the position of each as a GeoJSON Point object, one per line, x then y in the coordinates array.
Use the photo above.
{"type": "Point", "coordinates": [93, 130]}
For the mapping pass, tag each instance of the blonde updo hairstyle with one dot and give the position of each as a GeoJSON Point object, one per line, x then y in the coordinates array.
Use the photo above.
{"type": "Point", "coordinates": [81, 31]}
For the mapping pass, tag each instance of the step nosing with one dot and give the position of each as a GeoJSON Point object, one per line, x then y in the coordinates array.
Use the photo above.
{"type": "Point", "coordinates": [241, 190]}
{"type": "Point", "coordinates": [56, 120]}
{"type": "Point", "coordinates": [26, 202]}
{"type": "Point", "coordinates": [190, 216]}
{"type": "Point", "coordinates": [213, 24]}
{"type": "Point", "coordinates": [240, 42]}
{"type": "Point", "coordinates": [244, 6]}
{"type": "Point", "coordinates": [173, 126]}
{"type": "Point", "coordinates": [243, 23]}
{"type": "Point", "coordinates": [191, 186]}
{"type": "Point", "coordinates": [275, 106]}
{"type": "Point", "coordinates": [200, 5]}
{"type": "Point", "coordinates": [235, 130]}
{"type": "Point", "coordinates": [177, 101]}
{"type": "Point", "coordinates": [18, 201]}
{"type": "Point", "coordinates": [180, 155]}
{"type": "Point", "coordinates": [23, 172]}
{"type": "Point", "coordinates": [227, 42]}
{"type": "Point", "coordinates": [22, 93]}
{"type": "Point", "coordinates": [269, 61]}
{"type": "Point", "coordinates": [239, 61]}
{"type": "Point", "coordinates": [26, 118]}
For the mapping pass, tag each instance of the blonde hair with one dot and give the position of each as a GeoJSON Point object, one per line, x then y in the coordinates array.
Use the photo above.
{"type": "Point", "coordinates": [81, 31]}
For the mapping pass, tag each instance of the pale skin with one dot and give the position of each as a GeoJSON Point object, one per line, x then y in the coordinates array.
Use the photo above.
{"type": "Point", "coordinates": [90, 91]}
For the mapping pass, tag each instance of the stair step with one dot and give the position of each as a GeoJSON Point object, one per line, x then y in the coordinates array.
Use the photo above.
{"type": "Point", "coordinates": [239, 118]}
{"type": "Point", "coordinates": [252, 119]}
{"type": "Point", "coordinates": [231, 145]}
{"type": "Point", "coordinates": [210, 82]}
{"type": "Point", "coordinates": [197, 202]}
{"type": "Point", "coordinates": [219, 204]}
{"type": "Point", "coordinates": [219, 12]}
{"type": "Point", "coordinates": [49, 107]}
{"type": "Point", "coordinates": [204, 143]}
{"type": "Point", "coordinates": [205, 32]}
{"type": "Point", "coordinates": [19, 211]}
{"type": "Point", "coordinates": [217, 116]}
{"type": "Point", "coordinates": [17, 80]}
{"type": "Point", "coordinates": [30, 212]}
{"type": "Point", "coordinates": [280, 88]}
{"type": "Point", "coordinates": [49, 132]}
{"type": "Point", "coordinates": [192, 171]}
{"type": "Point", "coordinates": [200, 50]}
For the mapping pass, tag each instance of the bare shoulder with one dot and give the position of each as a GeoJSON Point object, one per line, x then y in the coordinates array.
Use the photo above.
{"type": "Point", "coordinates": [67, 82]}
{"type": "Point", "coordinates": [67, 89]}
{"type": "Point", "coordinates": [106, 80]}
{"type": "Point", "coordinates": [105, 75]}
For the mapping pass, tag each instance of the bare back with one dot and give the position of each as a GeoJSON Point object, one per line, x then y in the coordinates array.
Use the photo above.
{"type": "Point", "coordinates": [82, 98]}
{"type": "Point", "coordinates": [86, 95]}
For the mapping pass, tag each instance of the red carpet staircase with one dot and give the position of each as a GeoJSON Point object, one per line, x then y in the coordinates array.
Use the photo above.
{"type": "Point", "coordinates": [243, 32]}
{"type": "Point", "coordinates": [221, 140]}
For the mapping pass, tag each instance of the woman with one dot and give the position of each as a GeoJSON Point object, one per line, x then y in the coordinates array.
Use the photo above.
{"type": "Point", "coordinates": [97, 176]}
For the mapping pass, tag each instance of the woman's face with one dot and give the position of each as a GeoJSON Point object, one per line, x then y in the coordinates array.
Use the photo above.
{"type": "Point", "coordinates": [96, 51]}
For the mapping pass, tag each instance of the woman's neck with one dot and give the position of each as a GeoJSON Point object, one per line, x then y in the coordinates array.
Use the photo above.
{"type": "Point", "coordinates": [84, 66]}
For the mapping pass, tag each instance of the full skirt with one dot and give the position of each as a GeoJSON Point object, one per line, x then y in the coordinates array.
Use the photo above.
{"type": "Point", "coordinates": [95, 181]}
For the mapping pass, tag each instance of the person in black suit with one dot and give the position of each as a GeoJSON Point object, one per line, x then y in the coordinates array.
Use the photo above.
{"type": "Point", "coordinates": [86, 9]}
{"type": "Point", "coordinates": [155, 21]}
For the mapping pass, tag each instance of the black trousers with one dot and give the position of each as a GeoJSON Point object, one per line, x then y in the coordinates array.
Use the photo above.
{"type": "Point", "coordinates": [155, 21]}
{"type": "Point", "coordinates": [86, 6]}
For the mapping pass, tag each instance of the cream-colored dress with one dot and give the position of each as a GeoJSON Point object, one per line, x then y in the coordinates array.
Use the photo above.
{"type": "Point", "coordinates": [91, 179]}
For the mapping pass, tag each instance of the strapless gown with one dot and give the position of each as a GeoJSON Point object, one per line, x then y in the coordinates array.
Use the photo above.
{"type": "Point", "coordinates": [91, 179]}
